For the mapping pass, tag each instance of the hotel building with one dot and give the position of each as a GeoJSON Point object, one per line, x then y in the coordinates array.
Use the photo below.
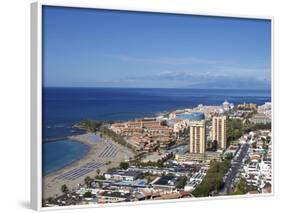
{"type": "Point", "coordinates": [198, 137]}
{"type": "Point", "coordinates": [219, 131]}
{"type": "Point", "coordinates": [197, 150]}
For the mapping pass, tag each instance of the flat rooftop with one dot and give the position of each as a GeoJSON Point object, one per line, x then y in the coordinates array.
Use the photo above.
{"type": "Point", "coordinates": [167, 180]}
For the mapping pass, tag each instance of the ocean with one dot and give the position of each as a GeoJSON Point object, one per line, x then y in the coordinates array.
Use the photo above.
{"type": "Point", "coordinates": [63, 107]}
{"type": "Point", "coordinates": [61, 153]}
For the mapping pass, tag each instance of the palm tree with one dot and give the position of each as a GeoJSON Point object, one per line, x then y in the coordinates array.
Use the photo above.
{"type": "Point", "coordinates": [98, 171]}
{"type": "Point", "coordinates": [64, 189]}
{"type": "Point", "coordinates": [88, 181]}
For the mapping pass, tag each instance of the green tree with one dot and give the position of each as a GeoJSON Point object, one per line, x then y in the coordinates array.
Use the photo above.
{"type": "Point", "coordinates": [88, 181]}
{"type": "Point", "coordinates": [99, 177]}
{"type": "Point", "coordinates": [98, 171]}
{"type": "Point", "coordinates": [234, 129]}
{"type": "Point", "coordinates": [181, 182]}
{"type": "Point", "coordinates": [108, 162]}
{"type": "Point", "coordinates": [64, 189]}
{"type": "Point", "coordinates": [124, 165]}
{"type": "Point", "coordinates": [229, 156]}
{"type": "Point", "coordinates": [213, 181]}
{"type": "Point", "coordinates": [87, 194]}
{"type": "Point", "coordinates": [90, 125]}
{"type": "Point", "coordinates": [241, 188]}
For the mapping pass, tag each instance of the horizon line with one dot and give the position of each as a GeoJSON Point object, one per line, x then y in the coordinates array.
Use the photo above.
{"type": "Point", "coordinates": [267, 89]}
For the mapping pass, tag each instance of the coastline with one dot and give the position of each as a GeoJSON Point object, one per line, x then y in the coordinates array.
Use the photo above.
{"type": "Point", "coordinates": [52, 182]}
{"type": "Point", "coordinates": [78, 138]}
{"type": "Point", "coordinates": [72, 162]}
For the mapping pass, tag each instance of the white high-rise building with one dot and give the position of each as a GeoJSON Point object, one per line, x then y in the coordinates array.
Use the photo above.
{"type": "Point", "coordinates": [198, 137]}
{"type": "Point", "coordinates": [219, 131]}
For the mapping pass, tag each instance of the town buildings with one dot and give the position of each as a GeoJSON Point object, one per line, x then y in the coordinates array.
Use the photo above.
{"type": "Point", "coordinates": [196, 179]}
{"type": "Point", "coordinates": [263, 115]}
{"type": "Point", "coordinates": [146, 134]}
{"type": "Point", "coordinates": [113, 197]}
{"type": "Point", "coordinates": [265, 108]}
{"type": "Point", "coordinates": [123, 175]}
{"type": "Point", "coordinates": [260, 119]}
{"type": "Point", "coordinates": [197, 144]}
{"type": "Point", "coordinates": [247, 106]}
{"type": "Point", "coordinates": [258, 165]}
{"type": "Point", "coordinates": [189, 159]}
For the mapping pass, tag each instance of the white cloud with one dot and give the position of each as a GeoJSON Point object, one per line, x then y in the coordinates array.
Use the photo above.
{"type": "Point", "coordinates": [166, 60]}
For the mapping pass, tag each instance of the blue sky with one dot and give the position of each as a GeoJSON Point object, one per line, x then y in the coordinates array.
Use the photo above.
{"type": "Point", "coordinates": [102, 48]}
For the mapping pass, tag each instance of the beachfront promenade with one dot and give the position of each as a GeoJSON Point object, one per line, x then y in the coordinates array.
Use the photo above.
{"type": "Point", "coordinates": [103, 154]}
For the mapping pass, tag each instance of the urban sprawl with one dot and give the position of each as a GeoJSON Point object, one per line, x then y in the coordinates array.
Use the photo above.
{"type": "Point", "coordinates": [195, 152]}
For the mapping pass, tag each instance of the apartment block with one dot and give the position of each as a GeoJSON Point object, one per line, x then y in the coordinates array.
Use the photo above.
{"type": "Point", "coordinates": [219, 131]}
{"type": "Point", "coordinates": [198, 137]}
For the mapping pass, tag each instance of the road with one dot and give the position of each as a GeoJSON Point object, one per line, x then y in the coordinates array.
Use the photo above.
{"type": "Point", "coordinates": [236, 165]}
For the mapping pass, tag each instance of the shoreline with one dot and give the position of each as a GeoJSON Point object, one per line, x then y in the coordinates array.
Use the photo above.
{"type": "Point", "coordinates": [53, 181]}
{"type": "Point", "coordinates": [97, 146]}
{"type": "Point", "coordinates": [76, 138]}
{"type": "Point", "coordinates": [72, 162]}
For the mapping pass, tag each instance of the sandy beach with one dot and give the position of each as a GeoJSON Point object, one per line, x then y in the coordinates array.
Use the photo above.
{"type": "Point", "coordinates": [103, 154]}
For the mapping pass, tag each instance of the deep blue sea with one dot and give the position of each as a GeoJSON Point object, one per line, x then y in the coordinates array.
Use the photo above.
{"type": "Point", "coordinates": [63, 107]}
